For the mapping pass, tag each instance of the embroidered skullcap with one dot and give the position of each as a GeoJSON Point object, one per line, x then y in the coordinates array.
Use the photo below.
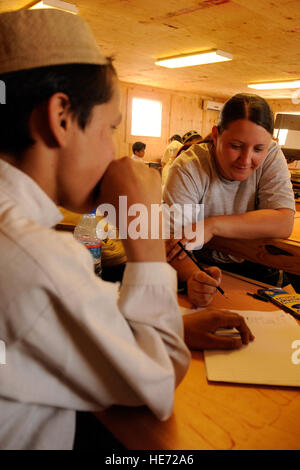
{"type": "Point", "coordinates": [37, 38]}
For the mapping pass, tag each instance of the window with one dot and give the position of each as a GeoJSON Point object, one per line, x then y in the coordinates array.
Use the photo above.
{"type": "Point", "coordinates": [281, 135]}
{"type": "Point", "coordinates": [287, 130]}
{"type": "Point", "coordinates": [146, 117]}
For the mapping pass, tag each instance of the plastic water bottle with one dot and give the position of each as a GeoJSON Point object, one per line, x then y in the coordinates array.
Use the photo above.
{"type": "Point", "coordinates": [86, 233]}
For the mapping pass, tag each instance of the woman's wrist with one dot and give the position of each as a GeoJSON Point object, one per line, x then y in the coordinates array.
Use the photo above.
{"type": "Point", "coordinates": [212, 227]}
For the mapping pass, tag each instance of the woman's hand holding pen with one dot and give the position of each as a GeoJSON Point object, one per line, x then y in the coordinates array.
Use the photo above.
{"type": "Point", "coordinates": [201, 287]}
{"type": "Point", "coordinates": [200, 328]}
{"type": "Point", "coordinates": [190, 240]}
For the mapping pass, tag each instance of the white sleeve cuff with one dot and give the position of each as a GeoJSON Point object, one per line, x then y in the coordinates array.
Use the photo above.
{"type": "Point", "coordinates": [150, 273]}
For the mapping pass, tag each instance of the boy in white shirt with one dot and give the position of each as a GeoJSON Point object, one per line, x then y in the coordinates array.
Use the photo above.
{"type": "Point", "coordinates": [73, 342]}
{"type": "Point", "coordinates": [138, 151]}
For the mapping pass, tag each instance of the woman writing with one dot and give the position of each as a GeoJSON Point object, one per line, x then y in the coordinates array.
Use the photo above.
{"type": "Point", "coordinates": [241, 177]}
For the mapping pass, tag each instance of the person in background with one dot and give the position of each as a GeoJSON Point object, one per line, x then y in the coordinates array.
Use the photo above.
{"type": "Point", "coordinates": [169, 156]}
{"type": "Point", "coordinates": [73, 341]}
{"type": "Point", "coordinates": [241, 177]}
{"type": "Point", "coordinates": [138, 151]}
{"type": "Point", "coordinates": [175, 143]}
{"type": "Point", "coordinates": [191, 137]}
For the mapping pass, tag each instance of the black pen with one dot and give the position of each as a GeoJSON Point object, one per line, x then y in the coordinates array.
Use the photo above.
{"type": "Point", "coordinates": [197, 264]}
{"type": "Point", "coordinates": [258, 297]}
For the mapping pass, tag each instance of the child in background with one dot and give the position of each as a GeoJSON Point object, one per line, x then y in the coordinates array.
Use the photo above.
{"type": "Point", "coordinates": [138, 150]}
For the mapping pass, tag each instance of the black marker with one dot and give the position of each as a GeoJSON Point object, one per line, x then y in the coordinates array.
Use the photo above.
{"type": "Point", "coordinates": [258, 297]}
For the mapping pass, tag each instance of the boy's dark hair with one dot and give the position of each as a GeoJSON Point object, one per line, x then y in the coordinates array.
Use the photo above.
{"type": "Point", "coordinates": [85, 84]}
{"type": "Point", "coordinates": [138, 146]}
{"type": "Point", "coordinates": [175, 137]}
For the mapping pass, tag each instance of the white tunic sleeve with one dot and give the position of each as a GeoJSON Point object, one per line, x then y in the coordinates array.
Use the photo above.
{"type": "Point", "coordinates": [82, 348]}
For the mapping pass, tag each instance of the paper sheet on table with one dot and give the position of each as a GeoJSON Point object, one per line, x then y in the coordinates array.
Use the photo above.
{"type": "Point", "coordinates": [273, 358]}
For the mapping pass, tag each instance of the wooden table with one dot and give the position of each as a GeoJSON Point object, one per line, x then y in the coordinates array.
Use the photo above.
{"type": "Point", "coordinates": [213, 415]}
{"type": "Point", "coordinates": [275, 252]}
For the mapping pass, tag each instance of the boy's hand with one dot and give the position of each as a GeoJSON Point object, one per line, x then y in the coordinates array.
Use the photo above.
{"type": "Point", "coordinates": [140, 185]}
{"type": "Point", "coordinates": [200, 330]}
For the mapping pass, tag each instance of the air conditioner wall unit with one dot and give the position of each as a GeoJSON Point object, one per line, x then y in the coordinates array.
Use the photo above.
{"type": "Point", "coordinates": [213, 105]}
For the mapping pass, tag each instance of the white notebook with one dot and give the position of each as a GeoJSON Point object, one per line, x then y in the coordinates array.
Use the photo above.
{"type": "Point", "coordinates": [273, 358]}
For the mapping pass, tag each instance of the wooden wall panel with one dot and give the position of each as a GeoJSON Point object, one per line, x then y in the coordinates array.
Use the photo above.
{"type": "Point", "coordinates": [181, 112]}
{"type": "Point", "coordinates": [284, 106]}
{"type": "Point", "coordinates": [210, 119]}
{"type": "Point", "coordinates": [185, 114]}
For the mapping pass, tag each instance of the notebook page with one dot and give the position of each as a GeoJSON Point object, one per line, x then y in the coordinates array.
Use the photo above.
{"type": "Point", "coordinates": [269, 359]}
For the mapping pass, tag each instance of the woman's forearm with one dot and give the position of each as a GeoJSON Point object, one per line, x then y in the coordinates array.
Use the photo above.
{"type": "Point", "coordinates": [263, 223]}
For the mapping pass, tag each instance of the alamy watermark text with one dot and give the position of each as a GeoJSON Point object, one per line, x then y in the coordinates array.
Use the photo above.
{"type": "Point", "coordinates": [159, 221]}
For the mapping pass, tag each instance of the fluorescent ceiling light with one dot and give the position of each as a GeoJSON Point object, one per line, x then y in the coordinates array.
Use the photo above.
{"type": "Point", "coordinates": [196, 58]}
{"type": "Point", "coordinates": [275, 85]}
{"type": "Point", "coordinates": [58, 4]}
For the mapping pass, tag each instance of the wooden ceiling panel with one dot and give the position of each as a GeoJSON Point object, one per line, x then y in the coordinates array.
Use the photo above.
{"type": "Point", "coordinates": [262, 35]}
